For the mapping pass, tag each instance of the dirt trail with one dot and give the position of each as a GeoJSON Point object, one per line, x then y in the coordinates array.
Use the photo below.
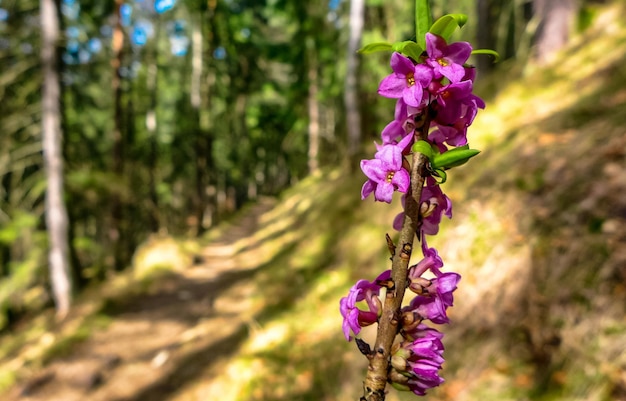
{"type": "Point", "coordinates": [161, 341]}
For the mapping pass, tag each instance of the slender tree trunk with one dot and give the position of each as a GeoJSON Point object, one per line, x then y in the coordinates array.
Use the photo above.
{"type": "Point", "coordinates": [202, 81]}
{"type": "Point", "coordinates": [314, 111]}
{"type": "Point", "coordinates": [115, 230]}
{"type": "Point", "coordinates": [556, 18]}
{"type": "Point", "coordinates": [351, 96]}
{"type": "Point", "coordinates": [483, 33]}
{"type": "Point", "coordinates": [56, 213]}
{"type": "Point", "coordinates": [195, 98]}
{"type": "Point", "coordinates": [152, 126]}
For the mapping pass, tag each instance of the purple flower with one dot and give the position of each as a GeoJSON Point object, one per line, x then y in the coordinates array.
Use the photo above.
{"type": "Point", "coordinates": [457, 105]}
{"type": "Point", "coordinates": [354, 318]}
{"type": "Point", "coordinates": [434, 204]}
{"type": "Point", "coordinates": [432, 262]}
{"type": "Point", "coordinates": [385, 172]}
{"type": "Point", "coordinates": [420, 360]}
{"type": "Point", "coordinates": [420, 331]}
{"type": "Point", "coordinates": [447, 60]}
{"type": "Point", "coordinates": [407, 82]}
{"type": "Point", "coordinates": [402, 125]}
{"type": "Point", "coordinates": [450, 99]}
{"type": "Point", "coordinates": [449, 135]}
{"type": "Point", "coordinates": [438, 298]}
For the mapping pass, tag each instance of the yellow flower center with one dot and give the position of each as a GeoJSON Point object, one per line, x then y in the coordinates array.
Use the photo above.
{"type": "Point", "coordinates": [410, 79]}
{"type": "Point", "coordinates": [443, 62]}
{"type": "Point", "coordinates": [390, 176]}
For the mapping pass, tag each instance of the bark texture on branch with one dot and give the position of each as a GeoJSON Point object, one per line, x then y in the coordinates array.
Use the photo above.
{"type": "Point", "coordinates": [389, 322]}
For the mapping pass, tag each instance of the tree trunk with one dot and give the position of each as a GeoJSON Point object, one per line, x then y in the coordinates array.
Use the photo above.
{"type": "Point", "coordinates": [313, 111]}
{"type": "Point", "coordinates": [56, 213]}
{"type": "Point", "coordinates": [556, 18]}
{"type": "Point", "coordinates": [195, 98]}
{"type": "Point", "coordinates": [115, 230]}
{"type": "Point", "coordinates": [484, 37]}
{"type": "Point", "coordinates": [152, 76]}
{"type": "Point", "coordinates": [351, 97]}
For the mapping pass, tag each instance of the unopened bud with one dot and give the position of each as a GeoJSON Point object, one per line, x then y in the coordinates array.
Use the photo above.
{"type": "Point", "coordinates": [419, 285]}
{"type": "Point", "coordinates": [410, 320]}
{"type": "Point", "coordinates": [398, 379]}
{"type": "Point", "coordinates": [400, 387]}
{"type": "Point", "coordinates": [399, 363]}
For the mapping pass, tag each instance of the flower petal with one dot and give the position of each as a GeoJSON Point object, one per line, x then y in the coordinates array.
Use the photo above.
{"type": "Point", "coordinates": [401, 64]}
{"type": "Point", "coordinates": [392, 86]}
{"type": "Point", "coordinates": [384, 192]}
{"type": "Point", "coordinates": [401, 180]}
{"type": "Point", "coordinates": [367, 189]}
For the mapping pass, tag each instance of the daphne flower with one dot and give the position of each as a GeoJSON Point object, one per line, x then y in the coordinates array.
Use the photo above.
{"type": "Point", "coordinates": [447, 60]}
{"type": "Point", "coordinates": [448, 135]}
{"type": "Point", "coordinates": [354, 318]}
{"type": "Point", "coordinates": [385, 172]}
{"type": "Point", "coordinates": [432, 262]}
{"type": "Point", "coordinates": [420, 360]}
{"type": "Point", "coordinates": [434, 204]}
{"type": "Point", "coordinates": [438, 298]}
{"type": "Point", "coordinates": [402, 125]}
{"type": "Point", "coordinates": [407, 82]}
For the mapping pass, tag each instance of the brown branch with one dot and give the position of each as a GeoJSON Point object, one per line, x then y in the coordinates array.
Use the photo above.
{"type": "Point", "coordinates": [388, 324]}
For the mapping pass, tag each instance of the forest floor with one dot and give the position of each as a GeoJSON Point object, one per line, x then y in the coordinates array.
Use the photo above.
{"type": "Point", "coordinates": [185, 325]}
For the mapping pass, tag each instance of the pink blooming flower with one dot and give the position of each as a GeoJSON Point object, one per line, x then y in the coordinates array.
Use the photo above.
{"type": "Point", "coordinates": [421, 331]}
{"type": "Point", "coordinates": [426, 376]}
{"type": "Point", "coordinates": [457, 104]}
{"type": "Point", "coordinates": [447, 60]}
{"type": "Point", "coordinates": [432, 255]}
{"type": "Point", "coordinates": [448, 135]}
{"type": "Point", "coordinates": [434, 204]}
{"type": "Point", "coordinates": [438, 298]}
{"type": "Point", "coordinates": [407, 81]}
{"type": "Point", "coordinates": [452, 122]}
{"type": "Point", "coordinates": [402, 125]}
{"type": "Point", "coordinates": [354, 318]}
{"type": "Point", "coordinates": [432, 262]}
{"type": "Point", "coordinates": [385, 172]}
{"type": "Point", "coordinates": [450, 99]}
{"type": "Point", "coordinates": [421, 359]}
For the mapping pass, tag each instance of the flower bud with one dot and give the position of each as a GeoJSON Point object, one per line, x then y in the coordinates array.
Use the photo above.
{"type": "Point", "coordinates": [419, 285]}
{"type": "Point", "coordinates": [399, 363]}
{"type": "Point", "coordinates": [396, 377]}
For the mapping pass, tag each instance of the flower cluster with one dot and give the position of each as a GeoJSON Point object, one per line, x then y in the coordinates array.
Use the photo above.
{"type": "Point", "coordinates": [435, 98]}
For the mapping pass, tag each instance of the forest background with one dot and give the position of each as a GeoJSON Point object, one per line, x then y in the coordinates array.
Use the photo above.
{"type": "Point", "coordinates": [124, 123]}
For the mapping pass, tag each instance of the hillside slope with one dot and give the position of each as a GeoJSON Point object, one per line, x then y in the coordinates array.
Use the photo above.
{"type": "Point", "coordinates": [539, 235]}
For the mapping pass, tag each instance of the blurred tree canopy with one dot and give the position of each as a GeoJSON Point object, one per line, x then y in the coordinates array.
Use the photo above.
{"type": "Point", "coordinates": [176, 113]}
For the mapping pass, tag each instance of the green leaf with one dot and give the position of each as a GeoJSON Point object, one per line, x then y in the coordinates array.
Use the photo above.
{"type": "Point", "coordinates": [447, 24]}
{"type": "Point", "coordinates": [408, 48]}
{"type": "Point", "coordinates": [423, 21]}
{"type": "Point", "coordinates": [453, 157]}
{"type": "Point", "coordinates": [493, 53]}
{"type": "Point", "coordinates": [375, 47]}
{"type": "Point", "coordinates": [440, 176]}
{"type": "Point", "coordinates": [424, 148]}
